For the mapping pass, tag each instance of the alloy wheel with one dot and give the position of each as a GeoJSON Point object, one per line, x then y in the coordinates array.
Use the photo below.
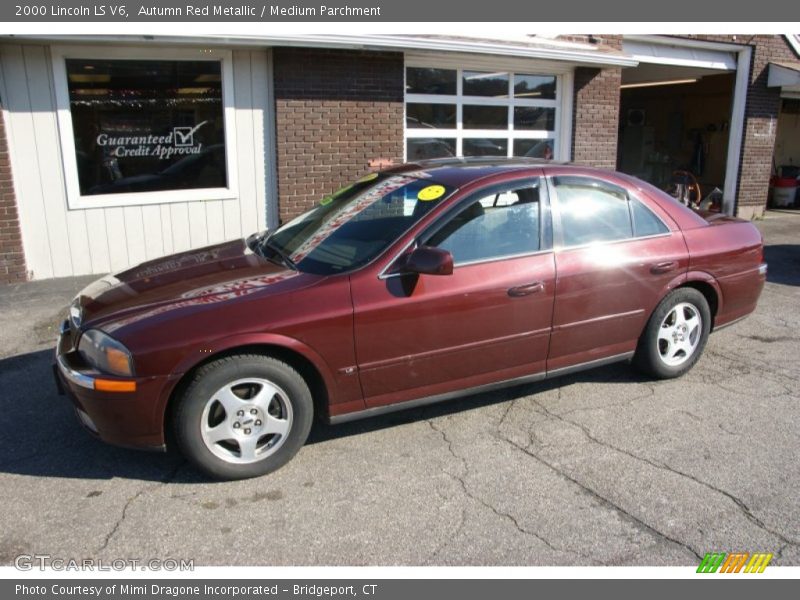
{"type": "Point", "coordinates": [680, 334]}
{"type": "Point", "coordinates": [246, 420]}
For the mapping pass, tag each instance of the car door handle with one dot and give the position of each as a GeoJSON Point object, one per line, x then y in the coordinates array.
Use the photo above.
{"type": "Point", "coordinates": [663, 267]}
{"type": "Point", "coordinates": [526, 290]}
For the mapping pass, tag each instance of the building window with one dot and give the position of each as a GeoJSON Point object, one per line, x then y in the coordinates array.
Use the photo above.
{"type": "Point", "coordinates": [472, 112]}
{"type": "Point", "coordinates": [138, 130]}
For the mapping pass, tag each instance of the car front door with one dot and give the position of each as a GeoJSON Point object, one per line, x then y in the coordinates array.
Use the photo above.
{"type": "Point", "coordinates": [422, 335]}
{"type": "Point", "coordinates": [615, 258]}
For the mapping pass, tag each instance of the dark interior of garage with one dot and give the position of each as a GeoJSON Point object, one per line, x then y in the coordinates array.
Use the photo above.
{"type": "Point", "coordinates": [674, 127]}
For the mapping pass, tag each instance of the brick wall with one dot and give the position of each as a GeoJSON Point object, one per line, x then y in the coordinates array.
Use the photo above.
{"type": "Point", "coordinates": [12, 257]}
{"type": "Point", "coordinates": [335, 111]}
{"type": "Point", "coordinates": [761, 119]}
{"type": "Point", "coordinates": [596, 110]}
{"type": "Point", "coordinates": [596, 117]}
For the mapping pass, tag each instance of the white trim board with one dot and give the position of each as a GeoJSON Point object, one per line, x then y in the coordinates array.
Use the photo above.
{"type": "Point", "coordinates": [736, 131]}
{"type": "Point", "coordinates": [578, 55]}
{"type": "Point", "coordinates": [794, 42]}
{"type": "Point", "coordinates": [786, 77]}
{"type": "Point", "coordinates": [269, 157]}
{"type": "Point", "coordinates": [674, 53]}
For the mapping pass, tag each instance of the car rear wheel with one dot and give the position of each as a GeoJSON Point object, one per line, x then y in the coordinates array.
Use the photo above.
{"type": "Point", "coordinates": [243, 416]}
{"type": "Point", "coordinates": [675, 335]}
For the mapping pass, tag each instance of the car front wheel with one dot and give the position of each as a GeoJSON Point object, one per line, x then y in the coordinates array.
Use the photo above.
{"type": "Point", "coordinates": [243, 416]}
{"type": "Point", "coordinates": [675, 335]}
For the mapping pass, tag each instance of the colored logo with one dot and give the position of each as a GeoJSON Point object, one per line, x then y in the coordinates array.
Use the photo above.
{"type": "Point", "coordinates": [734, 562]}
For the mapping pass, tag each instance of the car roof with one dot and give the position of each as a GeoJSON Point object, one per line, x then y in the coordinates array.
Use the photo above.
{"type": "Point", "coordinates": [457, 172]}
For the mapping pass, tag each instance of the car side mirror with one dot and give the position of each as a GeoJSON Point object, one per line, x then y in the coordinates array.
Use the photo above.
{"type": "Point", "coordinates": [426, 260]}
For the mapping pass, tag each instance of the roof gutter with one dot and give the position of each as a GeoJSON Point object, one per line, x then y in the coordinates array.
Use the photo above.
{"type": "Point", "coordinates": [584, 57]}
{"type": "Point", "coordinates": [593, 58]}
{"type": "Point", "coordinates": [680, 42]}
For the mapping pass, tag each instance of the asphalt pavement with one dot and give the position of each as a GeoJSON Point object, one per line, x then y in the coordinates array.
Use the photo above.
{"type": "Point", "coordinates": [604, 467]}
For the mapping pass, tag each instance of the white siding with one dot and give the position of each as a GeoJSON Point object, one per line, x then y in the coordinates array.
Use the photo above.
{"type": "Point", "coordinates": [60, 242]}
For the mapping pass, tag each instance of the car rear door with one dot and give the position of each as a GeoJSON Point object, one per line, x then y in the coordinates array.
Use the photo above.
{"type": "Point", "coordinates": [616, 255]}
{"type": "Point", "coordinates": [422, 335]}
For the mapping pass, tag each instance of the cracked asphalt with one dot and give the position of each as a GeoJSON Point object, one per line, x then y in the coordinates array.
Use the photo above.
{"type": "Point", "coordinates": [604, 467]}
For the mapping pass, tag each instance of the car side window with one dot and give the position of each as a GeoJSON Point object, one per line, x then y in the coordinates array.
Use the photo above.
{"type": "Point", "coordinates": [493, 226]}
{"type": "Point", "coordinates": [592, 211]}
{"type": "Point", "coordinates": [644, 221]}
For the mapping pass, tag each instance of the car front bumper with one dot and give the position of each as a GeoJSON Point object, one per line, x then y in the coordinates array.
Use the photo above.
{"type": "Point", "coordinates": [130, 419]}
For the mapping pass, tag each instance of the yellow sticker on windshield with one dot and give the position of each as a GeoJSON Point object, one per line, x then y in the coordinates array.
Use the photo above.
{"type": "Point", "coordinates": [367, 178]}
{"type": "Point", "coordinates": [326, 200]}
{"type": "Point", "coordinates": [432, 192]}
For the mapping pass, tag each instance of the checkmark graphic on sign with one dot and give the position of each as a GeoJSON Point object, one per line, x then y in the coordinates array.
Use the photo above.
{"type": "Point", "coordinates": [184, 136]}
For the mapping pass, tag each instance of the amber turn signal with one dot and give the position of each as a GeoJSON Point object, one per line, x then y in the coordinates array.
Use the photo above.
{"type": "Point", "coordinates": [110, 385]}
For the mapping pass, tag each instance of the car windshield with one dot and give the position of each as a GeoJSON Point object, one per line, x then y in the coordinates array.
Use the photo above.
{"type": "Point", "coordinates": [349, 228]}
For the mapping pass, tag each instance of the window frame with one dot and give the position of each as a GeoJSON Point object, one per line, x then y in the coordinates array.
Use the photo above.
{"type": "Point", "coordinates": [78, 201]}
{"type": "Point", "coordinates": [558, 228]}
{"type": "Point", "coordinates": [561, 135]}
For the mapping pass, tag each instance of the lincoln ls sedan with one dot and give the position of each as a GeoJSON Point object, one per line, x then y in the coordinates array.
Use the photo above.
{"type": "Point", "coordinates": [413, 285]}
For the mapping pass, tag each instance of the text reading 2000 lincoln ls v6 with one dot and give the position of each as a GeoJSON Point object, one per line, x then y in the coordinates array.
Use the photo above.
{"type": "Point", "coordinates": [410, 286]}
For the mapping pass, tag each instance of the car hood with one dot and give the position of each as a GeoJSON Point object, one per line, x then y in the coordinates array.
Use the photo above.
{"type": "Point", "coordinates": [209, 275]}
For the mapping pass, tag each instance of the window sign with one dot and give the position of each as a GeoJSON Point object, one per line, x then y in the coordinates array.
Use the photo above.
{"type": "Point", "coordinates": [144, 130]}
{"type": "Point", "coordinates": [144, 126]}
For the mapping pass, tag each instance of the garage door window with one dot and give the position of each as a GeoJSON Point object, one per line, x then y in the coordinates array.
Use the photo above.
{"type": "Point", "coordinates": [468, 112]}
{"type": "Point", "coordinates": [141, 129]}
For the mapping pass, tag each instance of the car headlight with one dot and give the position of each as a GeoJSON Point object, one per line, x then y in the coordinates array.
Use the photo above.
{"type": "Point", "coordinates": [105, 353]}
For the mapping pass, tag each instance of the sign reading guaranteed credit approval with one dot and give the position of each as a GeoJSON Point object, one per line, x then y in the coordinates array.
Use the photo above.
{"type": "Point", "coordinates": [178, 142]}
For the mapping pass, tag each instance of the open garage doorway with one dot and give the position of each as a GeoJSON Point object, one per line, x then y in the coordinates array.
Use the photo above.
{"type": "Point", "coordinates": [682, 116]}
{"type": "Point", "coordinates": [674, 128]}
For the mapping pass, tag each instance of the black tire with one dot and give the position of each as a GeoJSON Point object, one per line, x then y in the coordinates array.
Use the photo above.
{"type": "Point", "coordinates": [196, 403]}
{"type": "Point", "coordinates": [649, 353]}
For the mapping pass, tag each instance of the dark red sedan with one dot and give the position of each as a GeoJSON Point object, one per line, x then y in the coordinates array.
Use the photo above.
{"type": "Point", "coordinates": [411, 286]}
